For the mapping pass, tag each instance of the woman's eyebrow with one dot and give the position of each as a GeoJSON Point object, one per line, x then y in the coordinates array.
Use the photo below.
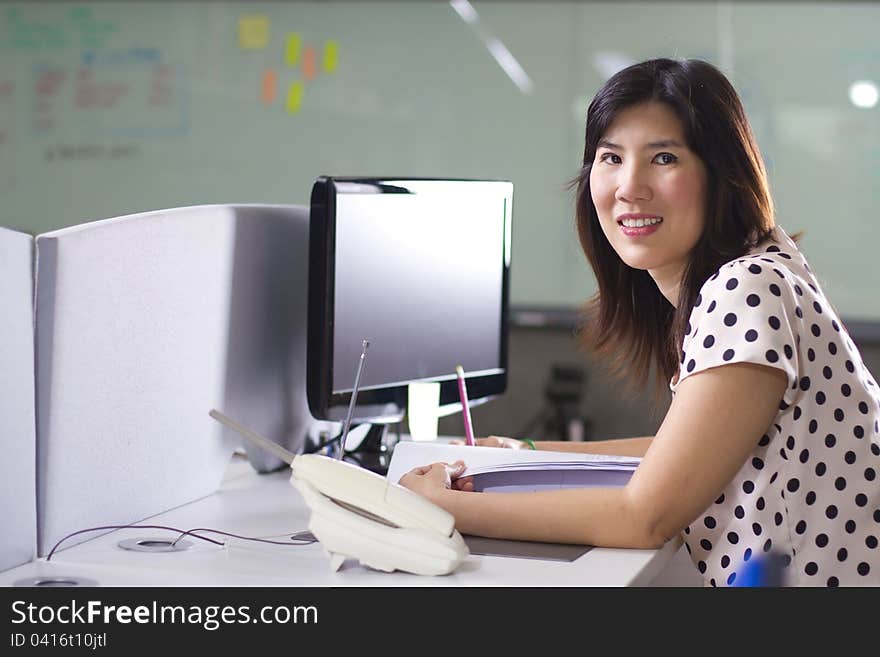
{"type": "Point", "coordinates": [663, 143]}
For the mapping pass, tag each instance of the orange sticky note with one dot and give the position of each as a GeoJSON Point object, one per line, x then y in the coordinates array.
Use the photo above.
{"type": "Point", "coordinates": [310, 65]}
{"type": "Point", "coordinates": [270, 86]}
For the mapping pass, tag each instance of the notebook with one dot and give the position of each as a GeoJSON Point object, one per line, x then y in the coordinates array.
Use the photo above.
{"type": "Point", "coordinates": [496, 469]}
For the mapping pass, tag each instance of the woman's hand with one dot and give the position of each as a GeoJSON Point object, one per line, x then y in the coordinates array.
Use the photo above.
{"type": "Point", "coordinates": [431, 480]}
{"type": "Point", "coordinates": [494, 441]}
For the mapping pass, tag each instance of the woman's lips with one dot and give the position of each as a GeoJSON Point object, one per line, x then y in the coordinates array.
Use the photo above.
{"type": "Point", "coordinates": [639, 230]}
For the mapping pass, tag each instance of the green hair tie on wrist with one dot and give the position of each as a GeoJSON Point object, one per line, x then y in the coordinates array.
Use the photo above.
{"type": "Point", "coordinates": [529, 442]}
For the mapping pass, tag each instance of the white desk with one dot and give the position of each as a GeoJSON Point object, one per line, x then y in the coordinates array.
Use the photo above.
{"type": "Point", "coordinates": [267, 506]}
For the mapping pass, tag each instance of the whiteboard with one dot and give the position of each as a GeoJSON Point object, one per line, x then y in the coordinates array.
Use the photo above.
{"type": "Point", "coordinates": [114, 108]}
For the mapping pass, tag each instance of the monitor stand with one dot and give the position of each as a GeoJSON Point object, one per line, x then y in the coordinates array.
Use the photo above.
{"type": "Point", "coordinates": [372, 454]}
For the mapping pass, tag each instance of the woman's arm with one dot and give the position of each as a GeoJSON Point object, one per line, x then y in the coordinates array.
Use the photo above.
{"type": "Point", "coordinates": [616, 446]}
{"type": "Point", "coordinates": [715, 421]}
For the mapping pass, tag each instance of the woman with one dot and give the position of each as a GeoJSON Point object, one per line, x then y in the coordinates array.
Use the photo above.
{"type": "Point", "coordinates": [771, 442]}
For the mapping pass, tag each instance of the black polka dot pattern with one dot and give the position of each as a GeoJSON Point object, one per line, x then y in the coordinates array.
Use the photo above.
{"type": "Point", "coordinates": [808, 491]}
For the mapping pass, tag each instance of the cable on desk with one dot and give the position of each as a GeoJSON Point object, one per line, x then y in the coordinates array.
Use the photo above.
{"type": "Point", "coordinates": [97, 529]}
{"type": "Point", "coordinates": [182, 532]}
{"type": "Point", "coordinates": [307, 541]}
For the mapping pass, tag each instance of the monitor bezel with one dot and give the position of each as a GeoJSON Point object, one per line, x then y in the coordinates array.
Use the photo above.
{"type": "Point", "coordinates": [387, 403]}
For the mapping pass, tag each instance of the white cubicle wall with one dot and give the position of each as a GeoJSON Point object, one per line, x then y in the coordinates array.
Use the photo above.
{"type": "Point", "coordinates": [18, 512]}
{"type": "Point", "coordinates": [145, 323]}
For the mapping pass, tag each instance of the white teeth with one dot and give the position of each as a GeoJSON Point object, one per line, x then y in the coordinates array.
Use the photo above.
{"type": "Point", "coordinates": [639, 223]}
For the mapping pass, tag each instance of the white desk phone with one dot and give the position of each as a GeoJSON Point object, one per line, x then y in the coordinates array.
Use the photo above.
{"type": "Point", "coordinates": [359, 514]}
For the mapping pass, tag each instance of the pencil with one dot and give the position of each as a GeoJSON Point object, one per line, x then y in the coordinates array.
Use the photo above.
{"type": "Point", "coordinates": [465, 407]}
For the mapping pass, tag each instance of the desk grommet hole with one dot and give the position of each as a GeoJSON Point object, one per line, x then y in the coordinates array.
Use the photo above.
{"type": "Point", "coordinates": [154, 545]}
{"type": "Point", "coordinates": [58, 581]}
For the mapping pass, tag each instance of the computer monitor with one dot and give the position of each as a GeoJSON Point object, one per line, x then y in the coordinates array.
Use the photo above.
{"type": "Point", "coordinates": [420, 268]}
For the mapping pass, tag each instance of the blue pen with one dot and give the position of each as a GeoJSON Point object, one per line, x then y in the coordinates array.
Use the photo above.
{"type": "Point", "coordinates": [762, 571]}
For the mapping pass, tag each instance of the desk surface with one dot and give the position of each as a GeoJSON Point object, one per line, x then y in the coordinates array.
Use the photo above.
{"type": "Point", "coordinates": [267, 506]}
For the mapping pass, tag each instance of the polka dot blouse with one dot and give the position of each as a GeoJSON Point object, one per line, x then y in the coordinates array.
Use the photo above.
{"type": "Point", "coordinates": [809, 491]}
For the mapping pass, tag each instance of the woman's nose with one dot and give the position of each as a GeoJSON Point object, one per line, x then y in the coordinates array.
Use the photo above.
{"type": "Point", "coordinates": [633, 185]}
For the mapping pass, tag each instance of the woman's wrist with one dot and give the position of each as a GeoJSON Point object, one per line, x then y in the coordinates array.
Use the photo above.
{"type": "Point", "coordinates": [529, 442]}
{"type": "Point", "coordinates": [444, 498]}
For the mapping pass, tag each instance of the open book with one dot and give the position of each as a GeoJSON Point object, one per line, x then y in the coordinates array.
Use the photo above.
{"type": "Point", "coordinates": [496, 469]}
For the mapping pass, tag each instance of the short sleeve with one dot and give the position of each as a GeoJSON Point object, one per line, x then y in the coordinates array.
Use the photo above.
{"type": "Point", "coordinates": [745, 313]}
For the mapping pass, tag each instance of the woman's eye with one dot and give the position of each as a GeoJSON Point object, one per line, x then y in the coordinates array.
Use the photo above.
{"type": "Point", "coordinates": [665, 158]}
{"type": "Point", "coordinates": [613, 158]}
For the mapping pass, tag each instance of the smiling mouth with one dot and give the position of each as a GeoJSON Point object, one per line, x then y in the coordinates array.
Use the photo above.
{"type": "Point", "coordinates": [639, 222]}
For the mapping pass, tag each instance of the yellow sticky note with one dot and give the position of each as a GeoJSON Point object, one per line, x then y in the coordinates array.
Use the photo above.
{"type": "Point", "coordinates": [422, 408]}
{"type": "Point", "coordinates": [294, 97]}
{"type": "Point", "coordinates": [253, 31]}
{"type": "Point", "coordinates": [331, 56]}
{"type": "Point", "coordinates": [291, 51]}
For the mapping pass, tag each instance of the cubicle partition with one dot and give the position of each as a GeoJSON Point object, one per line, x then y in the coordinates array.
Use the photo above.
{"type": "Point", "coordinates": [18, 512]}
{"type": "Point", "coordinates": [143, 324]}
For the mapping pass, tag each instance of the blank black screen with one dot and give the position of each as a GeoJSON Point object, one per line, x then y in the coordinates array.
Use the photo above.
{"type": "Point", "coordinates": [420, 275]}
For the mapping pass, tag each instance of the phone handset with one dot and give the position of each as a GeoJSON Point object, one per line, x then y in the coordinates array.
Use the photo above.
{"type": "Point", "coordinates": [360, 514]}
{"type": "Point", "coordinates": [357, 513]}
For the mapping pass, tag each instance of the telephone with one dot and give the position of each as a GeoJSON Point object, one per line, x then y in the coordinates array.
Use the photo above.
{"type": "Point", "coordinates": [359, 514]}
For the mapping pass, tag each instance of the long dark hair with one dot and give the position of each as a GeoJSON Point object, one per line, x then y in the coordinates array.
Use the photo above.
{"type": "Point", "coordinates": [628, 321]}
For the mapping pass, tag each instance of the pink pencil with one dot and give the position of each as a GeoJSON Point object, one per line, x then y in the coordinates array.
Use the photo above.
{"type": "Point", "coordinates": [465, 407]}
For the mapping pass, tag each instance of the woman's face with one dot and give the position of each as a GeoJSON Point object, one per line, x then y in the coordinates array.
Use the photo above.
{"type": "Point", "coordinates": [649, 190]}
